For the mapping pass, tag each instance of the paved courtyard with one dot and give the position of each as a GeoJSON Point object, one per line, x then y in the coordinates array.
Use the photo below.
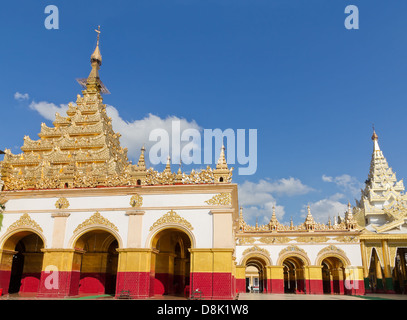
{"type": "Point", "coordinates": [242, 296]}
{"type": "Point", "coordinates": [260, 296]}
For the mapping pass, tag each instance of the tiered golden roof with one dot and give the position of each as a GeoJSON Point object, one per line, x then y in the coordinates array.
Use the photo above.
{"type": "Point", "coordinates": [82, 150]}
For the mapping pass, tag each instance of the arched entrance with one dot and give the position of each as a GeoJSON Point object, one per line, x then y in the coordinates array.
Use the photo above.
{"type": "Point", "coordinates": [24, 257]}
{"type": "Point", "coordinates": [256, 275]}
{"type": "Point", "coordinates": [98, 268]}
{"type": "Point", "coordinates": [172, 262]}
{"type": "Point", "coordinates": [399, 271]}
{"type": "Point", "coordinates": [333, 275]}
{"type": "Point", "coordinates": [294, 275]}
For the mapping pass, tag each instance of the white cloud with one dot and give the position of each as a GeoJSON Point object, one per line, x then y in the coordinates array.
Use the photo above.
{"type": "Point", "coordinates": [48, 110]}
{"type": "Point", "coordinates": [346, 183]}
{"type": "Point", "coordinates": [258, 198]}
{"type": "Point", "coordinates": [326, 208]}
{"type": "Point", "coordinates": [134, 134]}
{"type": "Point", "coordinates": [21, 96]}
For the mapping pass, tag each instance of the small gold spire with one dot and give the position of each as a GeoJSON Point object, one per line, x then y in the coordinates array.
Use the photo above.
{"type": "Point", "coordinates": [222, 164]}
{"type": "Point", "coordinates": [96, 56]}
{"type": "Point", "coordinates": [141, 161]}
{"type": "Point", "coordinates": [168, 166]}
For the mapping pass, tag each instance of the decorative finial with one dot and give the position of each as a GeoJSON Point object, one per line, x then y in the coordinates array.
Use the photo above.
{"type": "Point", "coordinates": [96, 56]}
{"type": "Point", "coordinates": [98, 32]}
{"type": "Point", "coordinates": [374, 136]}
{"type": "Point", "coordinates": [375, 139]}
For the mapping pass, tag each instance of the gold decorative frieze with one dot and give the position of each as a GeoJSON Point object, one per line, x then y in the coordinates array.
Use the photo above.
{"type": "Point", "coordinates": [246, 240]}
{"type": "Point", "coordinates": [271, 240]}
{"type": "Point", "coordinates": [25, 221]}
{"type": "Point", "coordinates": [349, 239]}
{"type": "Point", "coordinates": [312, 239]}
{"type": "Point", "coordinates": [221, 199]}
{"type": "Point", "coordinates": [62, 203]}
{"type": "Point", "coordinates": [136, 201]}
{"type": "Point", "coordinates": [171, 217]}
{"type": "Point", "coordinates": [94, 220]}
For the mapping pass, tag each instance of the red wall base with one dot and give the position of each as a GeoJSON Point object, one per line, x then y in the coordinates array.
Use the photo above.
{"type": "Point", "coordinates": [5, 280]}
{"type": "Point", "coordinates": [66, 285]}
{"type": "Point", "coordinates": [213, 285]}
{"type": "Point", "coordinates": [138, 283]}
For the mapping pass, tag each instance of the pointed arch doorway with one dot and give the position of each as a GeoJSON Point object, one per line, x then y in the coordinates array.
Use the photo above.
{"type": "Point", "coordinates": [171, 275]}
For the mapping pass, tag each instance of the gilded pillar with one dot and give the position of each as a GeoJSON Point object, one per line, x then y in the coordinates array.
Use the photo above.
{"type": "Point", "coordinates": [403, 283]}
{"type": "Point", "coordinates": [60, 272]}
{"type": "Point", "coordinates": [212, 272]}
{"type": "Point", "coordinates": [379, 275]}
{"type": "Point", "coordinates": [136, 272]}
{"type": "Point", "coordinates": [388, 283]}
{"type": "Point", "coordinates": [365, 264]}
{"type": "Point", "coordinates": [314, 280]}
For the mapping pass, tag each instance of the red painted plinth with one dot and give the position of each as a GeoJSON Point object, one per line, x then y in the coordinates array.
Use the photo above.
{"type": "Point", "coordinates": [355, 287]}
{"type": "Point", "coordinates": [217, 285]}
{"type": "Point", "coordinates": [138, 283]}
{"type": "Point", "coordinates": [5, 280]}
{"type": "Point", "coordinates": [241, 285]}
{"type": "Point", "coordinates": [59, 284]}
{"type": "Point", "coordinates": [315, 287]}
{"type": "Point", "coordinates": [276, 285]}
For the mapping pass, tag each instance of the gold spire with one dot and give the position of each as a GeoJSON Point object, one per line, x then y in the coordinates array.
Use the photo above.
{"type": "Point", "coordinates": [141, 165]}
{"type": "Point", "coordinates": [222, 164]}
{"type": "Point", "coordinates": [96, 56]}
{"type": "Point", "coordinates": [273, 224]}
{"type": "Point", "coordinates": [95, 61]}
{"type": "Point", "coordinates": [222, 173]}
{"type": "Point", "coordinates": [168, 166]}
{"type": "Point", "coordinates": [375, 139]}
{"type": "Point", "coordinates": [309, 220]}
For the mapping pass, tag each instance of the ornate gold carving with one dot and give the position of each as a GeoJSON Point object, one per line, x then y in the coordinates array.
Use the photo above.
{"type": "Point", "coordinates": [62, 203]}
{"type": "Point", "coordinates": [331, 249]}
{"type": "Point", "coordinates": [350, 239]}
{"type": "Point", "coordinates": [256, 249]}
{"type": "Point", "coordinates": [172, 217]}
{"type": "Point", "coordinates": [271, 240]}
{"type": "Point", "coordinates": [221, 199]}
{"type": "Point", "coordinates": [96, 219]}
{"type": "Point", "coordinates": [25, 221]}
{"type": "Point", "coordinates": [136, 201]}
{"type": "Point", "coordinates": [310, 239]}
{"type": "Point", "coordinates": [246, 240]}
{"type": "Point", "coordinates": [392, 253]}
{"type": "Point", "coordinates": [291, 249]}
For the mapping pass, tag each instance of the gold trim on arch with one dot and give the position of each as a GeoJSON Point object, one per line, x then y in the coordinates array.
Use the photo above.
{"type": "Point", "coordinates": [94, 220]}
{"type": "Point", "coordinates": [332, 251]}
{"type": "Point", "coordinates": [293, 251]}
{"type": "Point", "coordinates": [5, 237]}
{"type": "Point", "coordinates": [171, 217]}
{"type": "Point", "coordinates": [72, 241]}
{"type": "Point", "coordinates": [25, 221]}
{"type": "Point", "coordinates": [157, 230]}
{"type": "Point", "coordinates": [256, 254]}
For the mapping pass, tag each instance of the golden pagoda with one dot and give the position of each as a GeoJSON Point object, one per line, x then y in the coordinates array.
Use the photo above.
{"type": "Point", "coordinates": [82, 150]}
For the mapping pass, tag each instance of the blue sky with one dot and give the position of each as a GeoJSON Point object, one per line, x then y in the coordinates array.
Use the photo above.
{"type": "Point", "coordinates": [288, 68]}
